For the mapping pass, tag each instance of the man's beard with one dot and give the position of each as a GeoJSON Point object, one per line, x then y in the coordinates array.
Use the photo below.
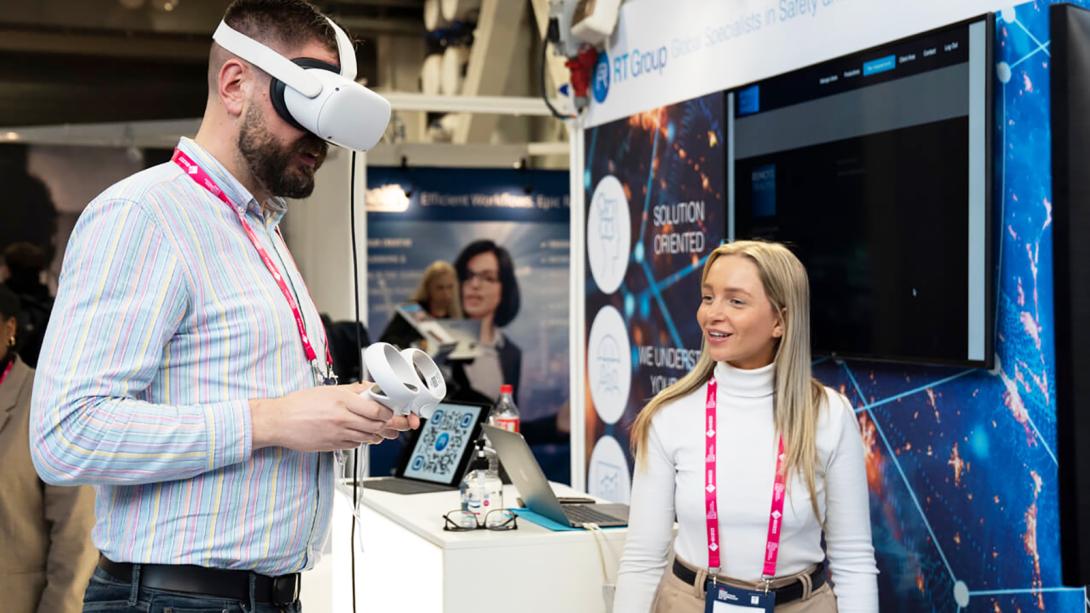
{"type": "Point", "coordinates": [275, 167]}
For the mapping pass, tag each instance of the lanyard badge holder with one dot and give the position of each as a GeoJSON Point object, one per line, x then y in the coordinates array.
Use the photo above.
{"type": "Point", "coordinates": [406, 381]}
{"type": "Point", "coordinates": [723, 598]}
{"type": "Point", "coordinates": [198, 174]}
{"type": "Point", "coordinates": [720, 597]}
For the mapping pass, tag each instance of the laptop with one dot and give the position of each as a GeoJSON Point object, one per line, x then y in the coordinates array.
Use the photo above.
{"type": "Point", "coordinates": [526, 474]}
{"type": "Point", "coordinates": [438, 452]}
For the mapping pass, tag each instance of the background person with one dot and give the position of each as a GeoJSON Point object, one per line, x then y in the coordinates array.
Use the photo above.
{"type": "Point", "coordinates": [438, 291]}
{"type": "Point", "coordinates": [46, 530]}
{"type": "Point", "coordinates": [183, 374]}
{"type": "Point", "coordinates": [437, 294]}
{"type": "Point", "coordinates": [28, 214]}
{"type": "Point", "coordinates": [25, 265]}
{"type": "Point", "coordinates": [754, 314]}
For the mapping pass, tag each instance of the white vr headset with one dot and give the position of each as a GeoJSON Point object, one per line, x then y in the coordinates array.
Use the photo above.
{"type": "Point", "coordinates": [312, 95]}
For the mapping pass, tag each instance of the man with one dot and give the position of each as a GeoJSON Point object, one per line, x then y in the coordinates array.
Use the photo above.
{"type": "Point", "coordinates": [181, 373]}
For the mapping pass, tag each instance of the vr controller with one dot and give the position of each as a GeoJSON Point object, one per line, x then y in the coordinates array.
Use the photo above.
{"type": "Point", "coordinates": [406, 381]}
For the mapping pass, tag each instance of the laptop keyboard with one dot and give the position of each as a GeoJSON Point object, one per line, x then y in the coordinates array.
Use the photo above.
{"type": "Point", "coordinates": [582, 513]}
{"type": "Point", "coordinates": [404, 486]}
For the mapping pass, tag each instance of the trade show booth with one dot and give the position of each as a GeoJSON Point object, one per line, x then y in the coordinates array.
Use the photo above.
{"type": "Point", "coordinates": [922, 160]}
{"type": "Point", "coordinates": [903, 154]}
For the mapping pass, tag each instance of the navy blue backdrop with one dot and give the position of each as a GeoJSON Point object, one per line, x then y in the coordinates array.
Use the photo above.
{"type": "Point", "coordinates": [417, 215]}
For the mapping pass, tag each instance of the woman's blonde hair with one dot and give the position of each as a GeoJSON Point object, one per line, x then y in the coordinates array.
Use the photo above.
{"type": "Point", "coordinates": [437, 269]}
{"type": "Point", "coordinates": [797, 395]}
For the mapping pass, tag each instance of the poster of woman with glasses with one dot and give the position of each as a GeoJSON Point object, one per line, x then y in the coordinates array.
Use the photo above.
{"type": "Point", "coordinates": [489, 294]}
{"type": "Point", "coordinates": [507, 234]}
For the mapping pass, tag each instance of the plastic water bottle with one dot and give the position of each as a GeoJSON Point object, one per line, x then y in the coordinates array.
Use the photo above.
{"type": "Point", "coordinates": [481, 489]}
{"type": "Point", "coordinates": [504, 413]}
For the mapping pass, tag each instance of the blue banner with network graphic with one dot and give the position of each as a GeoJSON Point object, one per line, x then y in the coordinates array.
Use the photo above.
{"type": "Point", "coordinates": [961, 462]}
{"type": "Point", "coordinates": [655, 210]}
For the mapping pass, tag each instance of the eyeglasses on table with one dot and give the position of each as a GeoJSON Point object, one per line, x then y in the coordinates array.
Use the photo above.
{"type": "Point", "coordinates": [466, 521]}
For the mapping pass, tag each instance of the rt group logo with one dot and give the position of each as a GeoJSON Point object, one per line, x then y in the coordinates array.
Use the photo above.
{"type": "Point", "coordinates": [629, 65]}
{"type": "Point", "coordinates": [601, 78]}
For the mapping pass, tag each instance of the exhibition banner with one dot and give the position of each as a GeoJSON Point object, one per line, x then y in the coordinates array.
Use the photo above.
{"type": "Point", "coordinates": [418, 215]}
{"type": "Point", "coordinates": [655, 209]}
{"type": "Point", "coordinates": [664, 52]}
{"type": "Point", "coordinates": [960, 462]}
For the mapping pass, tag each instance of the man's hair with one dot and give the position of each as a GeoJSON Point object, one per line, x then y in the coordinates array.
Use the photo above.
{"type": "Point", "coordinates": [275, 23]}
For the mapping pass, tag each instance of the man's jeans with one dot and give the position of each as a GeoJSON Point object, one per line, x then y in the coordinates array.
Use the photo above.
{"type": "Point", "coordinates": [105, 594]}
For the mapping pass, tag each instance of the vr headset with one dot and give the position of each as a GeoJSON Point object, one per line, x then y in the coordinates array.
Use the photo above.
{"type": "Point", "coordinates": [313, 95]}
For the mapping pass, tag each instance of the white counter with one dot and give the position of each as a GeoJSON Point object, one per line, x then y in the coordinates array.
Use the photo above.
{"type": "Point", "coordinates": [410, 564]}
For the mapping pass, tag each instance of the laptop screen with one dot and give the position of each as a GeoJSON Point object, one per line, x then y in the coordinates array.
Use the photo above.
{"type": "Point", "coordinates": [444, 444]}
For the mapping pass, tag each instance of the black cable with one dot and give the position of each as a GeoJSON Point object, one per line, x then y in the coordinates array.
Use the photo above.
{"type": "Point", "coordinates": [359, 356]}
{"type": "Point", "coordinates": [544, 91]}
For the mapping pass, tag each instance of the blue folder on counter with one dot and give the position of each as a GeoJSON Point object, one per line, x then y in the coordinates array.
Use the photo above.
{"type": "Point", "coordinates": [545, 522]}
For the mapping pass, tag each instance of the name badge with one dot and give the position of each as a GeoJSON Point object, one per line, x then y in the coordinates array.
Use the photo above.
{"type": "Point", "coordinates": [723, 598]}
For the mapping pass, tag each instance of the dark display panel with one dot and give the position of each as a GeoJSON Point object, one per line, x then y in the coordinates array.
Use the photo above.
{"type": "Point", "coordinates": [876, 169]}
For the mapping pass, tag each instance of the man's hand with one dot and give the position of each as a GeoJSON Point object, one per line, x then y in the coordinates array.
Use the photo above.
{"type": "Point", "coordinates": [324, 419]}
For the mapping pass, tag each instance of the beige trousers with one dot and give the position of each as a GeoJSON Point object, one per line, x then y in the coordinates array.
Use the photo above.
{"type": "Point", "coordinates": [675, 596]}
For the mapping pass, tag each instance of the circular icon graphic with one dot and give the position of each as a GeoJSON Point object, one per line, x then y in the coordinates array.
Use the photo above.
{"type": "Point", "coordinates": [601, 78]}
{"type": "Point", "coordinates": [609, 234]}
{"type": "Point", "coordinates": [418, 462]}
{"type": "Point", "coordinates": [609, 364]}
{"type": "Point", "coordinates": [442, 441]}
{"type": "Point", "coordinates": [466, 420]}
{"type": "Point", "coordinates": [961, 594]}
{"type": "Point", "coordinates": [437, 417]}
{"type": "Point", "coordinates": [607, 475]}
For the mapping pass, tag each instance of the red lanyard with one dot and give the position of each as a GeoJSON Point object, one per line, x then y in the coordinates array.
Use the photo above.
{"type": "Point", "coordinates": [201, 177]}
{"type": "Point", "coordinates": [7, 371]}
{"type": "Point", "coordinates": [775, 514]}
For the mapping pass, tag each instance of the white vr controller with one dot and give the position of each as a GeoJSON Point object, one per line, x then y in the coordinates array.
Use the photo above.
{"type": "Point", "coordinates": [406, 381]}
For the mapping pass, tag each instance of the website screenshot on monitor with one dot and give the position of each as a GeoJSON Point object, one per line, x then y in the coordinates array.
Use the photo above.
{"type": "Point", "coordinates": [855, 162]}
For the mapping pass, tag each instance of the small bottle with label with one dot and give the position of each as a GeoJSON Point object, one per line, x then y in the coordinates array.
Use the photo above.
{"type": "Point", "coordinates": [504, 413]}
{"type": "Point", "coordinates": [481, 489]}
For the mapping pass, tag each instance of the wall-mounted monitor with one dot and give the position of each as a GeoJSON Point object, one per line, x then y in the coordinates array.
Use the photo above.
{"type": "Point", "coordinates": [875, 168]}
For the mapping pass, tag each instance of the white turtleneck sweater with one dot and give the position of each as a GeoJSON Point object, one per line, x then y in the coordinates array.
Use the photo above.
{"type": "Point", "coordinates": [672, 481]}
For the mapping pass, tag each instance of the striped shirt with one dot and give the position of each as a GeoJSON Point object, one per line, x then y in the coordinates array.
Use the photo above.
{"type": "Point", "coordinates": [166, 323]}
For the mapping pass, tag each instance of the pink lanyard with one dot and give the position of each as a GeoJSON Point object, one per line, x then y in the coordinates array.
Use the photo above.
{"type": "Point", "coordinates": [7, 371]}
{"type": "Point", "coordinates": [775, 515]}
{"type": "Point", "coordinates": [201, 177]}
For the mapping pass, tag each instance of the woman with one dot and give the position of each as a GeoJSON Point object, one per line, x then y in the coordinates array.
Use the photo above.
{"type": "Point", "coordinates": [719, 428]}
{"type": "Point", "coordinates": [437, 295]}
{"type": "Point", "coordinates": [490, 294]}
{"type": "Point", "coordinates": [48, 556]}
{"type": "Point", "coordinates": [438, 291]}
{"type": "Point", "coordinates": [26, 263]}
